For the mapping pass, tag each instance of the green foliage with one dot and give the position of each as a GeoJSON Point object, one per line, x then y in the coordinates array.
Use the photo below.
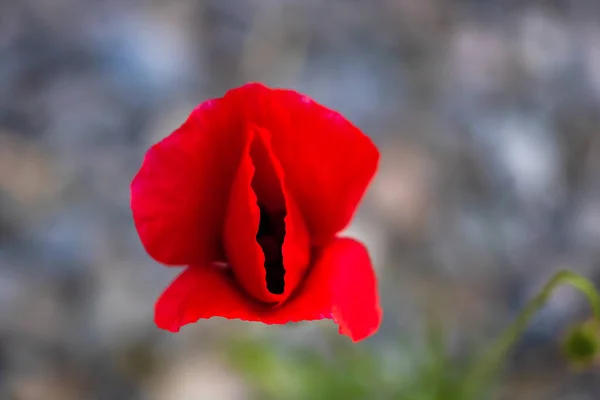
{"type": "Point", "coordinates": [406, 371]}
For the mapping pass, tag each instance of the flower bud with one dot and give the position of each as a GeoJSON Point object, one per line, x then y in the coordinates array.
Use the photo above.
{"type": "Point", "coordinates": [582, 344]}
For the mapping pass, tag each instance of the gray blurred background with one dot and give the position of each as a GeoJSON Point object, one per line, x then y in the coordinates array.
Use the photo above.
{"type": "Point", "coordinates": [487, 115]}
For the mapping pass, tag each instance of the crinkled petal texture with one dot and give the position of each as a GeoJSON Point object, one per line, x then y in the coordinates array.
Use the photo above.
{"type": "Point", "coordinates": [180, 195]}
{"type": "Point", "coordinates": [265, 239]}
{"type": "Point", "coordinates": [341, 285]}
{"type": "Point", "coordinates": [263, 180]}
{"type": "Point", "coordinates": [328, 161]}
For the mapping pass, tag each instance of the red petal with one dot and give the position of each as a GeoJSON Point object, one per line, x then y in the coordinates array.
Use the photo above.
{"type": "Point", "coordinates": [202, 292]}
{"type": "Point", "coordinates": [179, 196]}
{"type": "Point", "coordinates": [260, 178]}
{"type": "Point", "coordinates": [327, 160]}
{"type": "Point", "coordinates": [342, 283]}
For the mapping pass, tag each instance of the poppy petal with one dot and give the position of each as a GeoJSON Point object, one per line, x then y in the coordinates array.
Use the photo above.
{"type": "Point", "coordinates": [327, 160]}
{"type": "Point", "coordinates": [259, 193]}
{"type": "Point", "coordinates": [179, 195]}
{"type": "Point", "coordinates": [203, 291]}
{"type": "Point", "coordinates": [341, 284]}
{"type": "Point", "coordinates": [206, 291]}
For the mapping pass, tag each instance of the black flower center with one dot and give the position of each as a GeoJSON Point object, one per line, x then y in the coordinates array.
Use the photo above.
{"type": "Point", "coordinates": [270, 236]}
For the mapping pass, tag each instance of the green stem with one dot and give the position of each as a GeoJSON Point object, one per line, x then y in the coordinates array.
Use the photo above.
{"type": "Point", "coordinates": [486, 366]}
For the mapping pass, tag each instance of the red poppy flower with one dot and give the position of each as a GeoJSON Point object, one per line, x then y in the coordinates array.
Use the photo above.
{"type": "Point", "coordinates": [249, 194]}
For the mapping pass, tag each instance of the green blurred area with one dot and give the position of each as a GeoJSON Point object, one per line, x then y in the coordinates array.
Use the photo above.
{"type": "Point", "coordinates": [409, 370]}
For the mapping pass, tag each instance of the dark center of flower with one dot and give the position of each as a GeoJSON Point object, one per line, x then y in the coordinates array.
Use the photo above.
{"type": "Point", "coordinates": [271, 202]}
{"type": "Point", "coordinates": [270, 236]}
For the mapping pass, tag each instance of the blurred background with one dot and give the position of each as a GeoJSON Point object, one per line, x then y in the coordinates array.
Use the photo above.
{"type": "Point", "coordinates": [487, 115]}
